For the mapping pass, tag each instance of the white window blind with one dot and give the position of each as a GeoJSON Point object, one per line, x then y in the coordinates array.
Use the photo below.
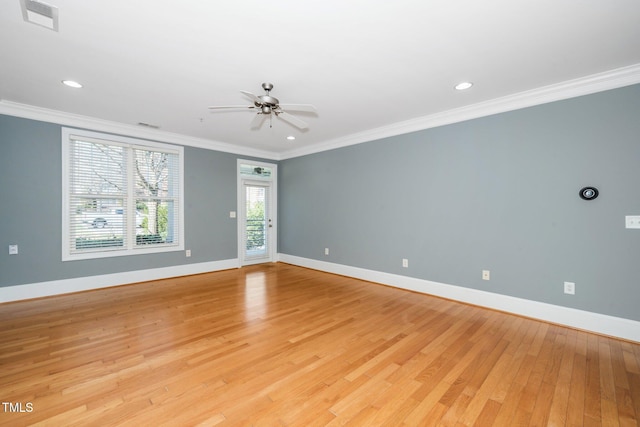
{"type": "Point", "coordinates": [121, 196]}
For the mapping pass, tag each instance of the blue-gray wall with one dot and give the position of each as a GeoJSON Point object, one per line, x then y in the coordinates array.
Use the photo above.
{"type": "Point", "coordinates": [497, 193]}
{"type": "Point", "coordinates": [31, 209]}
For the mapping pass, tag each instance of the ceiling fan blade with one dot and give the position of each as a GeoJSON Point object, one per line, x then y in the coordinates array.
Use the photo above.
{"type": "Point", "coordinates": [221, 107]}
{"type": "Point", "coordinates": [292, 119]}
{"type": "Point", "coordinates": [252, 96]}
{"type": "Point", "coordinates": [257, 121]}
{"type": "Point", "coordinates": [300, 107]}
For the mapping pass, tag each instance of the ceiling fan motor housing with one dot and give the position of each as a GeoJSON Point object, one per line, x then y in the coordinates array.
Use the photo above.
{"type": "Point", "coordinates": [269, 100]}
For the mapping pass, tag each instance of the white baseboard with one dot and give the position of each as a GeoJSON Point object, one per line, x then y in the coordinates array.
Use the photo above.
{"type": "Point", "coordinates": [599, 323]}
{"type": "Point", "coordinates": [594, 322]}
{"type": "Point", "coordinates": [65, 286]}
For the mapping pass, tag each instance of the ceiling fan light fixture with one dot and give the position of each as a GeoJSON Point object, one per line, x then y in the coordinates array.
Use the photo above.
{"type": "Point", "coordinates": [463, 86]}
{"type": "Point", "coordinates": [267, 104]}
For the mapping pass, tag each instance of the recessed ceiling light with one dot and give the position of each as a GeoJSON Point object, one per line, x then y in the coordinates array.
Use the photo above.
{"type": "Point", "coordinates": [71, 83]}
{"type": "Point", "coordinates": [464, 85]}
{"type": "Point", "coordinates": [291, 137]}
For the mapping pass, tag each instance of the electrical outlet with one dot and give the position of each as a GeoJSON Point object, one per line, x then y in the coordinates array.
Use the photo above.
{"type": "Point", "coordinates": [569, 288]}
{"type": "Point", "coordinates": [632, 221]}
{"type": "Point", "coordinates": [486, 275]}
{"type": "Point", "coordinates": [326, 251]}
{"type": "Point", "coordinates": [187, 253]}
{"type": "Point", "coordinates": [405, 263]}
{"type": "Point", "coordinates": [13, 249]}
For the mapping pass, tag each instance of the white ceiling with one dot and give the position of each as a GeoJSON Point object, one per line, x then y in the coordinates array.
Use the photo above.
{"type": "Point", "coordinates": [369, 67]}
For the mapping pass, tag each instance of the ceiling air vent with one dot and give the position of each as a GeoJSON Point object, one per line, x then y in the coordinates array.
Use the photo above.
{"type": "Point", "coordinates": [147, 125]}
{"type": "Point", "coordinates": [40, 14]}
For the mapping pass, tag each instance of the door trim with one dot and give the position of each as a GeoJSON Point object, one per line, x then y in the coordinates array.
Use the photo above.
{"type": "Point", "coordinates": [273, 210]}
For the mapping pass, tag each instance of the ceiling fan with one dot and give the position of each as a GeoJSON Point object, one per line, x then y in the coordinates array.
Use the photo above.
{"type": "Point", "coordinates": [267, 105]}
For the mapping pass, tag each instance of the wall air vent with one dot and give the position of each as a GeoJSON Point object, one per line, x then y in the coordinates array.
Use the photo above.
{"type": "Point", "coordinates": [40, 14]}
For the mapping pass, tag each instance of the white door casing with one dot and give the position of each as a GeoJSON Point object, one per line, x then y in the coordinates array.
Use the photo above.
{"type": "Point", "coordinates": [257, 234]}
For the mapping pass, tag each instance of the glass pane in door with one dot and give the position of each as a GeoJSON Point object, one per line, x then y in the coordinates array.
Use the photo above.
{"type": "Point", "coordinates": [256, 222]}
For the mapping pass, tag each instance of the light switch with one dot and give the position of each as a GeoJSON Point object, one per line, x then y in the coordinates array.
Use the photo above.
{"type": "Point", "coordinates": [632, 221]}
{"type": "Point", "coordinates": [13, 249]}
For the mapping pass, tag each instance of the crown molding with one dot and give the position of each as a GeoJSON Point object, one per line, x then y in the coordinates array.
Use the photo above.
{"type": "Point", "coordinates": [594, 83]}
{"type": "Point", "coordinates": [587, 85]}
{"type": "Point", "coordinates": [91, 123]}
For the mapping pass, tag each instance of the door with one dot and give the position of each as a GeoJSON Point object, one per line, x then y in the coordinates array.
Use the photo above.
{"type": "Point", "coordinates": [257, 223]}
{"type": "Point", "coordinates": [257, 212]}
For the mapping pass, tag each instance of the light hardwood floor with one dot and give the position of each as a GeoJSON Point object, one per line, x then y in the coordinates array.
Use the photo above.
{"type": "Point", "coordinates": [276, 344]}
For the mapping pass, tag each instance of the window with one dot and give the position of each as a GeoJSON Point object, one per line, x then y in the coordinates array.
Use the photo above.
{"type": "Point", "coordinates": [121, 196]}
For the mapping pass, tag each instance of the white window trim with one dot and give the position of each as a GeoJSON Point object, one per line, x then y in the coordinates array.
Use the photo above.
{"type": "Point", "coordinates": [116, 139]}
